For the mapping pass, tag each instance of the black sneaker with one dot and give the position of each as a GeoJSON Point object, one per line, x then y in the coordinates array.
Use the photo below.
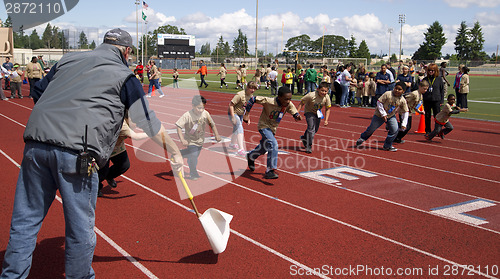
{"type": "Point", "coordinates": [392, 148]}
{"type": "Point", "coordinates": [111, 182]}
{"type": "Point", "coordinates": [441, 135]}
{"type": "Point", "coordinates": [359, 142]}
{"type": "Point", "coordinates": [271, 175]}
{"type": "Point", "coordinates": [308, 150]}
{"type": "Point", "coordinates": [251, 163]}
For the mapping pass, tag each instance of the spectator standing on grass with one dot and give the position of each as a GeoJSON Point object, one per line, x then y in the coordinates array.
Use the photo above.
{"type": "Point", "coordinates": [102, 87]}
{"type": "Point", "coordinates": [300, 82]}
{"type": "Point", "coordinates": [464, 87]}
{"type": "Point", "coordinates": [235, 111]}
{"type": "Point", "coordinates": [406, 78]}
{"type": "Point", "coordinates": [443, 73]}
{"type": "Point", "coordinates": [8, 66]}
{"type": "Point", "coordinates": [222, 73]}
{"type": "Point", "coordinates": [238, 78]}
{"type": "Point", "coordinates": [140, 71]}
{"type": "Point", "coordinates": [443, 125]}
{"type": "Point", "coordinates": [388, 105]}
{"type": "Point", "coordinates": [434, 96]}
{"type": "Point", "coordinates": [243, 76]}
{"type": "Point", "coordinates": [34, 73]}
{"type": "Point", "coordinates": [256, 77]}
{"type": "Point", "coordinates": [414, 102]}
{"type": "Point", "coordinates": [382, 79]}
{"type": "Point", "coordinates": [345, 82]}
{"type": "Point", "coordinates": [289, 79]}
{"type": "Point", "coordinates": [268, 70]}
{"type": "Point", "coordinates": [154, 79]}
{"type": "Point", "coordinates": [392, 74]}
{"type": "Point", "coordinates": [263, 77]}
{"type": "Point", "coordinates": [272, 112]}
{"type": "Point", "coordinates": [175, 76]}
{"type": "Point", "coordinates": [456, 85]}
{"type": "Point", "coordinates": [313, 103]}
{"type": "Point", "coordinates": [193, 122]}
{"type": "Point", "coordinates": [203, 73]}
{"type": "Point", "coordinates": [353, 88]}
{"type": "Point", "coordinates": [310, 79]}
{"type": "Point", "coordinates": [16, 82]}
{"type": "Point", "coordinates": [273, 82]}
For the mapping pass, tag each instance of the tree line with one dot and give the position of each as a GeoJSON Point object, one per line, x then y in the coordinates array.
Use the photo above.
{"type": "Point", "coordinates": [52, 37]}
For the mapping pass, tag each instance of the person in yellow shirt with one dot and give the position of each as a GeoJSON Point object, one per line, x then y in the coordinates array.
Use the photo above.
{"type": "Point", "coordinates": [34, 72]}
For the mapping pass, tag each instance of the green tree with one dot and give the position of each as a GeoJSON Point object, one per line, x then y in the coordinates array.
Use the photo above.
{"type": "Point", "coordinates": [240, 44]}
{"type": "Point", "coordinates": [34, 40]}
{"type": "Point", "coordinates": [351, 46]}
{"type": "Point", "coordinates": [56, 39]}
{"type": "Point", "coordinates": [434, 40]}
{"type": "Point", "coordinates": [92, 45]}
{"type": "Point", "coordinates": [476, 43]}
{"type": "Point", "coordinates": [334, 46]}
{"type": "Point", "coordinates": [222, 48]}
{"type": "Point", "coordinates": [301, 43]}
{"type": "Point", "coordinates": [47, 36]}
{"type": "Point", "coordinates": [205, 49]}
{"type": "Point", "coordinates": [83, 42]}
{"type": "Point", "coordinates": [462, 46]}
{"type": "Point", "coordinates": [363, 51]}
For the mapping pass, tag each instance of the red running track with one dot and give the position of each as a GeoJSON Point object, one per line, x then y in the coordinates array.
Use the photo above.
{"type": "Point", "coordinates": [340, 211]}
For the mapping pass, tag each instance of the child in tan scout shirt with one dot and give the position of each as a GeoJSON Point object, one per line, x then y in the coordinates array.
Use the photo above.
{"type": "Point", "coordinates": [442, 119]}
{"type": "Point", "coordinates": [272, 113]}
{"type": "Point", "coordinates": [388, 106]}
{"type": "Point", "coordinates": [193, 122]}
{"type": "Point", "coordinates": [414, 102]}
{"type": "Point", "coordinates": [313, 103]}
{"type": "Point", "coordinates": [235, 111]}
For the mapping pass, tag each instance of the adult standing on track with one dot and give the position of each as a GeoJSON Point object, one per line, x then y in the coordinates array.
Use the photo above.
{"type": "Point", "coordinates": [203, 72]}
{"type": "Point", "coordinates": [88, 89]}
{"type": "Point", "coordinates": [434, 96]}
{"type": "Point", "coordinates": [34, 72]}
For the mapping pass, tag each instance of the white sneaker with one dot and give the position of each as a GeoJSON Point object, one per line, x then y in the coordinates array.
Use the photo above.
{"type": "Point", "coordinates": [162, 95]}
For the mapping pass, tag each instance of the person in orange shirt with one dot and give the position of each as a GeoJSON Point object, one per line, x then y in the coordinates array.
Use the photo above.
{"type": "Point", "coordinates": [203, 72]}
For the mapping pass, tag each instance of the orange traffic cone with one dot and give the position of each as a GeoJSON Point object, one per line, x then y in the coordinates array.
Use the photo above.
{"type": "Point", "coordinates": [421, 125]}
{"type": "Point", "coordinates": [153, 92]}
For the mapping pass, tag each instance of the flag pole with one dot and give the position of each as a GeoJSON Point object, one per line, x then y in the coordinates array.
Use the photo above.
{"type": "Point", "coordinates": [137, 28]}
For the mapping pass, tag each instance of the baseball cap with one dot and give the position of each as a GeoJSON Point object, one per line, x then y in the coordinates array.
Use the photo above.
{"type": "Point", "coordinates": [119, 37]}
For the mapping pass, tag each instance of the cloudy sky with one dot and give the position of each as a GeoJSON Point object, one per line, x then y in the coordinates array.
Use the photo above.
{"type": "Point", "coordinates": [367, 20]}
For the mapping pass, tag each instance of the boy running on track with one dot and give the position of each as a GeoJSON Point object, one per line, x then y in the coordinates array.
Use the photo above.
{"type": "Point", "coordinates": [442, 119]}
{"type": "Point", "coordinates": [273, 111]}
{"type": "Point", "coordinates": [388, 106]}
{"type": "Point", "coordinates": [313, 102]}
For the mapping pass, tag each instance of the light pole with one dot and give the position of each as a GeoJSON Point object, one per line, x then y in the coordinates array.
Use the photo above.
{"type": "Point", "coordinates": [390, 33]}
{"type": "Point", "coordinates": [256, 32]}
{"type": "Point", "coordinates": [402, 20]}
{"type": "Point", "coordinates": [265, 52]}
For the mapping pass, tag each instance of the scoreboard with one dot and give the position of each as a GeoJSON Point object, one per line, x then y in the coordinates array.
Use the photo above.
{"type": "Point", "coordinates": [176, 46]}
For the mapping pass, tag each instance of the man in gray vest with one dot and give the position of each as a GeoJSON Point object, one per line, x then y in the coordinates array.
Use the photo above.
{"type": "Point", "coordinates": [79, 109]}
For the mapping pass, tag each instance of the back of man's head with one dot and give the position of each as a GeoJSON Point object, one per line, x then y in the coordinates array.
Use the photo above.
{"type": "Point", "coordinates": [118, 37]}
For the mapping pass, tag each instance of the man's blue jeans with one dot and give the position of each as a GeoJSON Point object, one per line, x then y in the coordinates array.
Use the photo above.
{"type": "Point", "coordinates": [268, 144]}
{"type": "Point", "coordinates": [310, 86]}
{"type": "Point", "coordinates": [345, 94]}
{"type": "Point", "coordinates": [392, 124]}
{"type": "Point", "coordinates": [44, 170]}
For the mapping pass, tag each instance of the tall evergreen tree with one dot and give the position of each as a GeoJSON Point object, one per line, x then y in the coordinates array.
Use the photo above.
{"type": "Point", "coordinates": [477, 43]}
{"type": "Point", "coordinates": [222, 48]}
{"type": "Point", "coordinates": [205, 49]}
{"type": "Point", "coordinates": [240, 44]}
{"type": "Point", "coordinates": [34, 41]}
{"type": "Point", "coordinates": [83, 42]}
{"type": "Point", "coordinates": [462, 46]}
{"type": "Point", "coordinates": [363, 51]}
{"type": "Point", "coordinates": [434, 40]}
{"type": "Point", "coordinates": [351, 46]}
{"type": "Point", "coordinates": [47, 36]}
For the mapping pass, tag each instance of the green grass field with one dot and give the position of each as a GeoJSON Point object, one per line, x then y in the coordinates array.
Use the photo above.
{"type": "Point", "coordinates": [482, 89]}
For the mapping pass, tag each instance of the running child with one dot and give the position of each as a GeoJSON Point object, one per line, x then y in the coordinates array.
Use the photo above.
{"type": "Point", "coordinates": [388, 106]}
{"type": "Point", "coordinates": [313, 102]}
{"type": "Point", "coordinates": [235, 111]}
{"type": "Point", "coordinates": [442, 119]}
{"type": "Point", "coordinates": [272, 112]}
{"type": "Point", "coordinates": [414, 102]}
{"type": "Point", "coordinates": [193, 122]}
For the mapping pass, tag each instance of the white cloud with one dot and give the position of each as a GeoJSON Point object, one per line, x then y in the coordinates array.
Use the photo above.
{"type": "Point", "coordinates": [467, 3]}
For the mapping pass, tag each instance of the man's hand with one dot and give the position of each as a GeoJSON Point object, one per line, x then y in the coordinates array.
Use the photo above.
{"type": "Point", "coordinates": [218, 138]}
{"type": "Point", "coordinates": [177, 162]}
{"type": "Point", "coordinates": [298, 118]}
{"type": "Point", "coordinates": [385, 118]}
{"type": "Point", "coordinates": [184, 142]}
{"type": "Point", "coordinates": [326, 123]}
